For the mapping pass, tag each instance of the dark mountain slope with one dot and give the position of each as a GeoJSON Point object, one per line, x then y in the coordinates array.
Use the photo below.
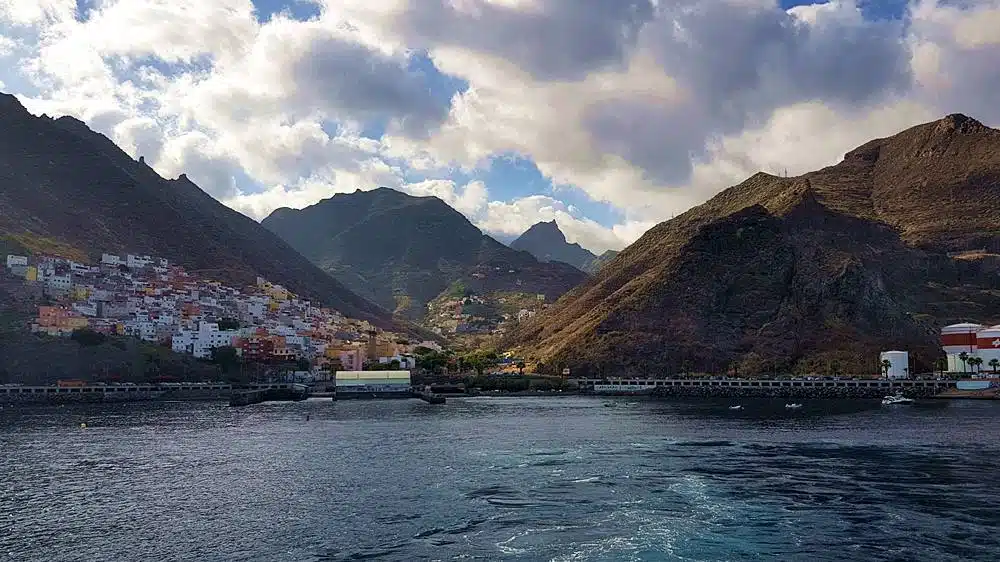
{"type": "Point", "coordinates": [60, 180]}
{"type": "Point", "coordinates": [600, 261]}
{"type": "Point", "coordinates": [403, 251]}
{"type": "Point", "coordinates": [816, 273]}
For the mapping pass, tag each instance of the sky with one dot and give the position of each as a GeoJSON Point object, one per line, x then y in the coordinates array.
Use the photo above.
{"type": "Point", "coordinates": [607, 116]}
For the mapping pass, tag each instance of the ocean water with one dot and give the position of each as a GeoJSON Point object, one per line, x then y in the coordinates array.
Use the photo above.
{"type": "Point", "coordinates": [556, 479]}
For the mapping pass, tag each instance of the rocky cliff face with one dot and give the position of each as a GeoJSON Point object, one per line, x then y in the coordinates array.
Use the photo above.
{"type": "Point", "coordinates": [66, 187]}
{"type": "Point", "coordinates": [547, 242]}
{"type": "Point", "coordinates": [816, 273]}
{"type": "Point", "coordinates": [403, 251]}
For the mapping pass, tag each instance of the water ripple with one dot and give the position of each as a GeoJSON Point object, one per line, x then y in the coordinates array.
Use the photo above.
{"type": "Point", "coordinates": [491, 479]}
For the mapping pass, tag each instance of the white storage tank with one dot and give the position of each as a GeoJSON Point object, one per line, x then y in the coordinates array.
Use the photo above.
{"type": "Point", "coordinates": [988, 347]}
{"type": "Point", "coordinates": [899, 364]}
{"type": "Point", "coordinates": [958, 339]}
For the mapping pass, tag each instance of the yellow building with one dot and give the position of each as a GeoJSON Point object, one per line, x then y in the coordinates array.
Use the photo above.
{"type": "Point", "coordinates": [277, 293]}
{"type": "Point", "coordinates": [74, 323]}
{"type": "Point", "coordinates": [31, 274]}
{"type": "Point", "coordinates": [80, 293]}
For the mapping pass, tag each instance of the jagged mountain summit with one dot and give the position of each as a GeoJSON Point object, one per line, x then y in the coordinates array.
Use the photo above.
{"type": "Point", "coordinates": [815, 273]}
{"type": "Point", "coordinates": [547, 242]}
{"type": "Point", "coordinates": [403, 251]}
{"type": "Point", "coordinates": [66, 187]}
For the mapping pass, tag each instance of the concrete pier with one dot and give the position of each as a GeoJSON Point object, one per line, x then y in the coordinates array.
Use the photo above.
{"type": "Point", "coordinates": [430, 397]}
{"type": "Point", "coordinates": [276, 393]}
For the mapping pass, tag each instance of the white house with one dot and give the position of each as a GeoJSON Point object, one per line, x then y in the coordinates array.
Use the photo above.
{"type": "Point", "coordinates": [110, 259]}
{"type": "Point", "coordinates": [405, 361]}
{"type": "Point", "coordinates": [200, 342]}
{"type": "Point", "coordinates": [15, 260]}
{"type": "Point", "coordinates": [59, 282]}
{"type": "Point", "coordinates": [142, 328]}
{"type": "Point", "coordinates": [137, 262]}
{"type": "Point", "coordinates": [86, 308]}
{"type": "Point", "coordinates": [79, 268]}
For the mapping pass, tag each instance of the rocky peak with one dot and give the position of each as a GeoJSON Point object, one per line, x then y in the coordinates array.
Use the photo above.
{"type": "Point", "coordinates": [546, 230]}
{"type": "Point", "coordinates": [9, 102]}
{"type": "Point", "coordinates": [547, 242]}
{"type": "Point", "coordinates": [956, 122]}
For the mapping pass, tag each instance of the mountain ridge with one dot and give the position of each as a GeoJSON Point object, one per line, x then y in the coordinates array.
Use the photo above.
{"type": "Point", "coordinates": [863, 258]}
{"type": "Point", "coordinates": [429, 247]}
{"type": "Point", "coordinates": [60, 180]}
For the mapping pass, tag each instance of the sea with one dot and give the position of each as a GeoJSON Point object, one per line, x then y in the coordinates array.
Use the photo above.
{"type": "Point", "coordinates": [515, 478]}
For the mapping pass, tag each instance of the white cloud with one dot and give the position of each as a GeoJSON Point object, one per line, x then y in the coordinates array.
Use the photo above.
{"type": "Point", "coordinates": [645, 105]}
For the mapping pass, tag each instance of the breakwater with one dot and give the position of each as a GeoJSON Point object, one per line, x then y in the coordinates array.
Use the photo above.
{"type": "Point", "coordinates": [286, 393]}
{"type": "Point", "coordinates": [127, 392]}
{"type": "Point", "coordinates": [744, 388]}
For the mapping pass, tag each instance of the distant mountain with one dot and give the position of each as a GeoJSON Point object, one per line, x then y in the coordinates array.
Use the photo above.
{"type": "Point", "coordinates": [816, 273]}
{"type": "Point", "coordinates": [547, 243]}
{"type": "Point", "coordinates": [403, 251]}
{"type": "Point", "coordinates": [68, 189]}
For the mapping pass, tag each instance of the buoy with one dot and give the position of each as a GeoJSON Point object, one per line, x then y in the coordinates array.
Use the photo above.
{"type": "Point", "coordinates": [83, 426]}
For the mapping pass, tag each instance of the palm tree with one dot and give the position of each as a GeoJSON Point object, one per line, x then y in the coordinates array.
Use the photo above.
{"type": "Point", "coordinates": [994, 363]}
{"type": "Point", "coordinates": [976, 362]}
{"type": "Point", "coordinates": [942, 364]}
{"type": "Point", "coordinates": [965, 360]}
{"type": "Point", "coordinates": [886, 365]}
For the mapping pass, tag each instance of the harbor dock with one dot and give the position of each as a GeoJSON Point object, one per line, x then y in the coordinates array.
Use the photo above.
{"type": "Point", "coordinates": [286, 393]}
{"type": "Point", "coordinates": [427, 396]}
{"type": "Point", "coordinates": [767, 388]}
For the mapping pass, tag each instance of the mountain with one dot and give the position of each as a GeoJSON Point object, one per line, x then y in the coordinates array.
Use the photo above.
{"type": "Point", "coordinates": [815, 273]}
{"type": "Point", "coordinates": [68, 189]}
{"type": "Point", "coordinates": [403, 251]}
{"type": "Point", "coordinates": [547, 243]}
{"type": "Point", "coordinates": [599, 262]}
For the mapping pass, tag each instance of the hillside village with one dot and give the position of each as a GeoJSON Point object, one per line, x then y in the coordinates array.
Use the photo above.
{"type": "Point", "coordinates": [149, 298]}
{"type": "Point", "coordinates": [463, 311]}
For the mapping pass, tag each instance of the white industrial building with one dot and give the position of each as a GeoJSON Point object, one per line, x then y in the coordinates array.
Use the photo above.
{"type": "Point", "coordinates": [988, 346]}
{"type": "Point", "coordinates": [383, 384]}
{"type": "Point", "coordinates": [899, 364]}
{"type": "Point", "coordinates": [972, 340]}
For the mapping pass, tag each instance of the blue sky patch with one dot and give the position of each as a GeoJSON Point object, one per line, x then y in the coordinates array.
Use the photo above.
{"type": "Point", "coordinates": [298, 9]}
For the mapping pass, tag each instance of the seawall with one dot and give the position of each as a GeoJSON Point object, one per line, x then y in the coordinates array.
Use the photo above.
{"type": "Point", "coordinates": [296, 393]}
{"type": "Point", "coordinates": [126, 393]}
{"type": "Point", "coordinates": [739, 388]}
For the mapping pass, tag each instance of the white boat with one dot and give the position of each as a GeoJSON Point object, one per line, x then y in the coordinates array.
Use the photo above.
{"type": "Point", "coordinates": [793, 406]}
{"type": "Point", "coordinates": [896, 399]}
{"type": "Point", "coordinates": [738, 407]}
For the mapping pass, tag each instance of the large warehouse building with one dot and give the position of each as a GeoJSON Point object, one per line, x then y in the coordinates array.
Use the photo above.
{"type": "Point", "coordinates": [373, 384]}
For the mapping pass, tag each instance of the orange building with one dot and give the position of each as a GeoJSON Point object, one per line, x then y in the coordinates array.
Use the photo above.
{"type": "Point", "coordinates": [55, 320]}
